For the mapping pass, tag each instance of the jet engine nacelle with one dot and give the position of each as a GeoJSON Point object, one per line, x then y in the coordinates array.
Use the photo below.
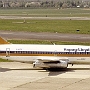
{"type": "Point", "coordinates": [53, 64]}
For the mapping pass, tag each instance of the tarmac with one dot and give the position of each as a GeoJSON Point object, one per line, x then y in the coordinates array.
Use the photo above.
{"type": "Point", "coordinates": [11, 35]}
{"type": "Point", "coordinates": [22, 76]}
{"type": "Point", "coordinates": [43, 18]}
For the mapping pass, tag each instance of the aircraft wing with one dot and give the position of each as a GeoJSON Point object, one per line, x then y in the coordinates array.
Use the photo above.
{"type": "Point", "coordinates": [51, 62]}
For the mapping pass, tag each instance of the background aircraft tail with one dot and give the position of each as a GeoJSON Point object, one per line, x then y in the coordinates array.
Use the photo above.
{"type": "Point", "coordinates": [3, 41]}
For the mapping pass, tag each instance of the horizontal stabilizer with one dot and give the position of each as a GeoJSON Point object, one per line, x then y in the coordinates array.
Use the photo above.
{"type": "Point", "coordinates": [3, 41]}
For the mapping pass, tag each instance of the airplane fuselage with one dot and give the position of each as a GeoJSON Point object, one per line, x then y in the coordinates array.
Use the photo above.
{"type": "Point", "coordinates": [76, 54]}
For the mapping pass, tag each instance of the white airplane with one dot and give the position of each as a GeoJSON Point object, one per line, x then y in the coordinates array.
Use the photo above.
{"type": "Point", "coordinates": [45, 56]}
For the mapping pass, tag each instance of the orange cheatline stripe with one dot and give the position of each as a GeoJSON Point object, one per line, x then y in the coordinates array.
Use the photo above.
{"type": "Point", "coordinates": [63, 55]}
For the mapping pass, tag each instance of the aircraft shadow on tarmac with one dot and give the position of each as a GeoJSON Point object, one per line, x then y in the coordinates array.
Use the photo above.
{"type": "Point", "coordinates": [52, 72]}
{"type": "Point", "coordinates": [4, 69]}
{"type": "Point", "coordinates": [8, 69]}
{"type": "Point", "coordinates": [58, 71]}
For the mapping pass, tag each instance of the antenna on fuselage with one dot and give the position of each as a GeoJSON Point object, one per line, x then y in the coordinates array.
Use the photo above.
{"type": "Point", "coordinates": [53, 43]}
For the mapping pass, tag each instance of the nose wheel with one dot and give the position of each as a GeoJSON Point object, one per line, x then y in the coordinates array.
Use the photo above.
{"type": "Point", "coordinates": [33, 65]}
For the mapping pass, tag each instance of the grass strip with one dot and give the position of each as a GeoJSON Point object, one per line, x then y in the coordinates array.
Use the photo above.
{"type": "Point", "coordinates": [59, 26]}
{"type": "Point", "coordinates": [46, 42]}
{"type": "Point", "coordinates": [4, 60]}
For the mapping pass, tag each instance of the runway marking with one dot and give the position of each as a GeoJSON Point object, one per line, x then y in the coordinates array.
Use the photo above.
{"type": "Point", "coordinates": [71, 84]}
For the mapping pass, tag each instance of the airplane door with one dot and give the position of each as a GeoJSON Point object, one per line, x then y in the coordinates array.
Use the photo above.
{"type": "Point", "coordinates": [7, 52]}
{"type": "Point", "coordinates": [55, 53]}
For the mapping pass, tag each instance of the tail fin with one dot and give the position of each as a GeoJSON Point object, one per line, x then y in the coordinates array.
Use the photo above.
{"type": "Point", "coordinates": [3, 41]}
